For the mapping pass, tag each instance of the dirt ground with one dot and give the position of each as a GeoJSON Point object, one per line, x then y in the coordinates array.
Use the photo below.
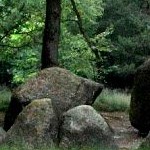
{"type": "Point", "coordinates": [125, 135]}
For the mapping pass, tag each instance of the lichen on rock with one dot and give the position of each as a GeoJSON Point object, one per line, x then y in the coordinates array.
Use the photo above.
{"type": "Point", "coordinates": [36, 125]}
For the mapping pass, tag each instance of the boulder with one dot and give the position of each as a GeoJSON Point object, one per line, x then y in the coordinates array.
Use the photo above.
{"type": "Point", "coordinates": [2, 135]}
{"type": "Point", "coordinates": [36, 125]}
{"type": "Point", "coordinates": [140, 100]}
{"type": "Point", "coordinates": [83, 127]}
{"type": "Point", "coordinates": [64, 88]}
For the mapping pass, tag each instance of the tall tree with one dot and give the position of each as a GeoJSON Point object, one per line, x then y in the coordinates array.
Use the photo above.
{"type": "Point", "coordinates": [49, 56]}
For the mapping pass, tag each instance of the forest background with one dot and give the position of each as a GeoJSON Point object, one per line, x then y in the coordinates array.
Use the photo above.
{"type": "Point", "coordinates": [118, 29]}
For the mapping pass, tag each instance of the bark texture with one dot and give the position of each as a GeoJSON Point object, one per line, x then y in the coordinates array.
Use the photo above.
{"type": "Point", "coordinates": [49, 56]}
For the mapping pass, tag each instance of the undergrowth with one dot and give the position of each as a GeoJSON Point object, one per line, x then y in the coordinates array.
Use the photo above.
{"type": "Point", "coordinates": [112, 100]}
{"type": "Point", "coordinates": [27, 147]}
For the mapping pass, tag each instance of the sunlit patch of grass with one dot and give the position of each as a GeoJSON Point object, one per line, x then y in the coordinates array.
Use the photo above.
{"type": "Point", "coordinates": [112, 100]}
{"type": "Point", "coordinates": [5, 95]}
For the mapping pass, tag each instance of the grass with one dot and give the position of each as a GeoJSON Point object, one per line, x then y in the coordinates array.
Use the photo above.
{"type": "Point", "coordinates": [26, 147]}
{"type": "Point", "coordinates": [5, 96]}
{"type": "Point", "coordinates": [112, 100]}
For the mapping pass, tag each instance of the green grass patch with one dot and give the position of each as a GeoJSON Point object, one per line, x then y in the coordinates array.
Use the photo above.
{"type": "Point", "coordinates": [5, 147]}
{"type": "Point", "coordinates": [22, 145]}
{"type": "Point", "coordinates": [26, 147]}
{"type": "Point", "coordinates": [112, 100]}
{"type": "Point", "coordinates": [5, 96]}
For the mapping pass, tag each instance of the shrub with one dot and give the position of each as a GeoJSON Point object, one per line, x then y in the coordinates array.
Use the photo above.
{"type": "Point", "coordinates": [120, 76]}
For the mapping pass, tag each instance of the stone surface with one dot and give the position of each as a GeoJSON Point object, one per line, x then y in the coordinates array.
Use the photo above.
{"type": "Point", "coordinates": [82, 127]}
{"type": "Point", "coordinates": [140, 100]}
{"type": "Point", "coordinates": [2, 135]}
{"type": "Point", "coordinates": [64, 88]}
{"type": "Point", "coordinates": [36, 125]}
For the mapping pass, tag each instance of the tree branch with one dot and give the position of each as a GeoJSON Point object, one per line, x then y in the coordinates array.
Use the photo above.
{"type": "Point", "coordinates": [80, 24]}
{"type": "Point", "coordinates": [82, 31]}
{"type": "Point", "coordinates": [94, 50]}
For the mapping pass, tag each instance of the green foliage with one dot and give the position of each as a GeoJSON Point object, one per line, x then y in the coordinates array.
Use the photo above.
{"type": "Point", "coordinates": [75, 55]}
{"type": "Point", "coordinates": [25, 65]}
{"type": "Point", "coordinates": [130, 37]}
{"type": "Point", "coordinates": [112, 100]}
{"type": "Point", "coordinates": [131, 30]}
{"type": "Point", "coordinates": [101, 42]}
{"type": "Point", "coordinates": [21, 35]}
{"type": "Point", "coordinates": [144, 148]}
{"type": "Point", "coordinates": [89, 10]}
{"type": "Point", "coordinates": [20, 38]}
{"type": "Point", "coordinates": [119, 30]}
{"type": "Point", "coordinates": [118, 76]}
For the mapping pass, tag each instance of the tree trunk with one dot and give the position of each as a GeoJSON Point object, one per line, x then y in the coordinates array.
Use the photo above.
{"type": "Point", "coordinates": [51, 35]}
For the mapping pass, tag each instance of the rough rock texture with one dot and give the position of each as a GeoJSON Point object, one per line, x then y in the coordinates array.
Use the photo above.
{"type": "Point", "coordinates": [82, 127]}
{"type": "Point", "coordinates": [64, 88]}
{"type": "Point", "coordinates": [140, 99]}
{"type": "Point", "coordinates": [2, 135]}
{"type": "Point", "coordinates": [36, 125]}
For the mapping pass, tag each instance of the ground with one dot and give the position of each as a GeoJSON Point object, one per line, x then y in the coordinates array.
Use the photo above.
{"type": "Point", "coordinates": [125, 135]}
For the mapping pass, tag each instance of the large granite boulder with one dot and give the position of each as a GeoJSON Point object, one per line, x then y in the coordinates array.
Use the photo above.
{"type": "Point", "coordinates": [35, 126]}
{"type": "Point", "coordinates": [83, 127]}
{"type": "Point", "coordinates": [64, 88]}
{"type": "Point", "coordinates": [140, 100]}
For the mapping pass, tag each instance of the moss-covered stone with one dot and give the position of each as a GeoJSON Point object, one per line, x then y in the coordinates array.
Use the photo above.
{"type": "Point", "coordinates": [64, 88]}
{"type": "Point", "coordinates": [140, 99]}
{"type": "Point", "coordinates": [36, 125]}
